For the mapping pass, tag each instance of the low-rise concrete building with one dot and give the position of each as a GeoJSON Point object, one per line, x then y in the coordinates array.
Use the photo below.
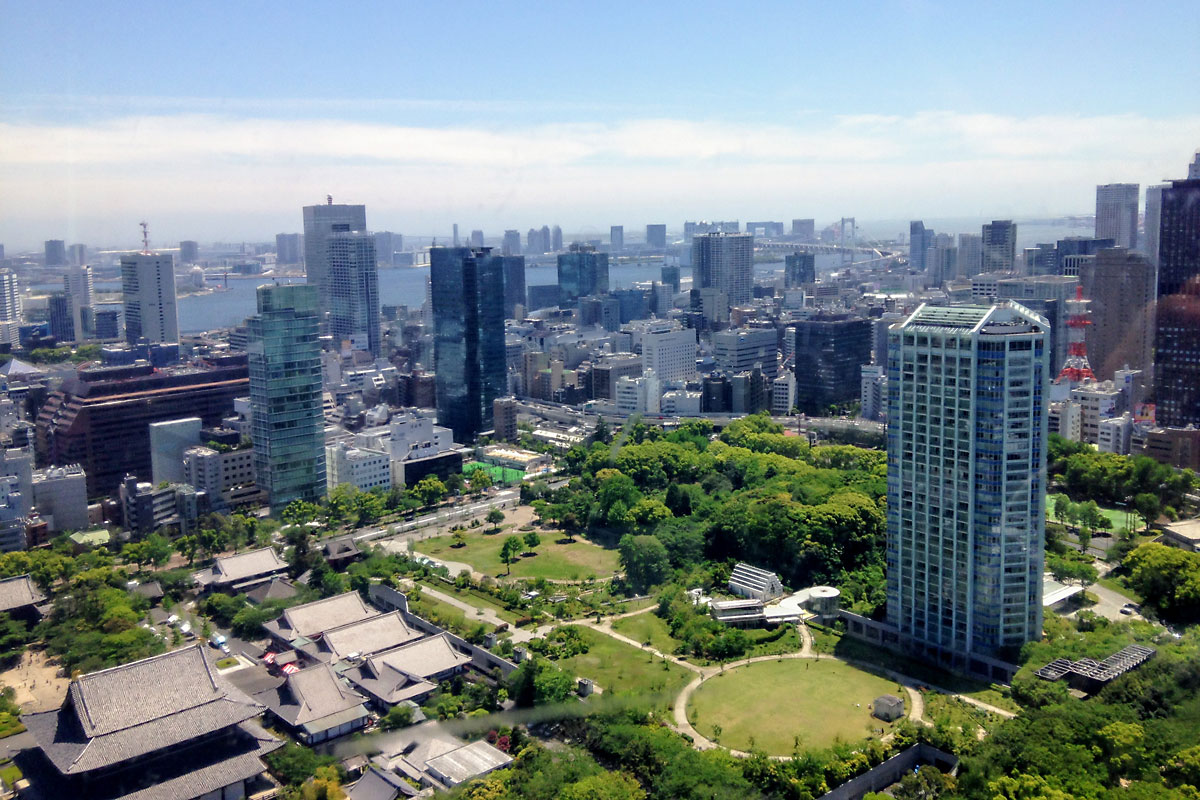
{"type": "Point", "coordinates": [60, 497]}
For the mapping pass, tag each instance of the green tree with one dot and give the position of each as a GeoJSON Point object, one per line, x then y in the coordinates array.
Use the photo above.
{"type": "Point", "coordinates": [187, 546]}
{"type": "Point", "coordinates": [398, 716]}
{"type": "Point", "coordinates": [1062, 507]}
{"type": "Point", "coordinates": [495, 517]}
{"type": "Point", "coordinates": [13, 638]}
{"type": "Point", "coordinates": [460, 538]}
{"type": "Point", "coordinates": [158, 549]}
{"type": "Point", "coordinates": [480, 480]}
{"type": "Point", "coordinates": [300, 512]}
{"type": "Point", "coordinates": [1148, 507]}
{"type": "Point", "coordinates": [430, 490]}
{"type": "Point", "coordinates": [645, 561]}
{"type": "Point", "coordinates": [532, 540]}
{"type": "Point", "coordinates": [604, 786]}
{"type": "Point", "coordinates": [510, 550]}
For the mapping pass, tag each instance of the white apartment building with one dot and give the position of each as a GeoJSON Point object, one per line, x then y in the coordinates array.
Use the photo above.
{"type": "Point", "coordinates": [873, 398]}
{"type": "Point", "coordinates": [1115, 434]}
{"type": "Point", "coordinates": [363, 468]}
{"type": "Point", "coordinates": [681, 403]}
{"type": "Point", "coordinates": [783, 393]}
{"type": "Point", "coordinates": [639, 395]}
{"type": "Point", "coordinates": [60, 497]}
{"type": "Point", "coordinates": [670, 352]}
{"type": "Point", "coordinates": [1097, 401]}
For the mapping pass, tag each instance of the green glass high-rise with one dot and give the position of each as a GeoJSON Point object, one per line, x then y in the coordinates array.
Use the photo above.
{"type": "Point", "coordinates": [288, 424]}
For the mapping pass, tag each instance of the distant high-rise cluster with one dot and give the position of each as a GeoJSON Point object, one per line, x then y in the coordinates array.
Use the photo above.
{"type": "Point", "coordinates": [1117, 213]}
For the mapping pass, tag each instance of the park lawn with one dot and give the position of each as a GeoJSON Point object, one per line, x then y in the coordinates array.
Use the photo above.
{"type": "Point", "coordinates": [1116, 516]}
{"type": "Point", "coordinates": [477, 599]}
{"type": "Point", "coordinates": [773, 702]}
{"type": "Point", "coordinates": [648, 627]}
{"type": "Point", "coordinates": [9, 725]}
{"type": "Point", "coordinates": [829, 641]}
{"type": "Point", "coordinates": [10, 773]}
{"type": "Point", "coordinates": [553, 561]}
{"type": "Point", "coordinates": [624, 671]}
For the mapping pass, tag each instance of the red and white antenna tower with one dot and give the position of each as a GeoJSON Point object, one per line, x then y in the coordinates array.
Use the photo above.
{"type": "Point", "coordinates": [1076, 368]}
{"type": "Point", "coordinates": [145, 238]}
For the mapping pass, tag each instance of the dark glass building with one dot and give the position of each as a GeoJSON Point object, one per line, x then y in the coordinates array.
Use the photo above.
{"type": "Point", "coordinates": [581, 271]}
{"type": "Point", "coordinates": [514, 284]}
{"type": "Point", "coordinates": [1177, 327]}
{"type": "Point", "coordinates": [830, 352]}
{"type": "Point", "coordinates": [799, 269]}
{"type": "Point", "coordinates": [468, 336]}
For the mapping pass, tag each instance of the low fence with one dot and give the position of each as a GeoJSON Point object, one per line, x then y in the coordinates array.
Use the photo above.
{"type": "Point", "coordinates": [893, 770]}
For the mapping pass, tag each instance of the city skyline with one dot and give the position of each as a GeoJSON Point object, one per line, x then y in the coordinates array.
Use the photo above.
{"type": "Point", "coordinates": [214, 147]}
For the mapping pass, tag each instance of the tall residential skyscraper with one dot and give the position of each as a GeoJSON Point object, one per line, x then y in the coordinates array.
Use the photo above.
{"type": "Point", "coordinates": [77, 255]}
{"type": "Point", "coordinates": [353, 291]}
{"type": "Point", "coordinates": [10, 296]}
{"type": "Point", "coordinates": [1177, 326]}
{"type": "Point", "coordinates": [320, 222]}
{"type": "Point", "coordinates": [148, 286]}
{"type": "Point", "coordinates": [1117, 213]}
{"type": "Point", "coordinates": [724, 261]}
{"type": "Point", "coordinates": [287, 419]}
{"type": "Point", "coordinates": [512, 243]}
{"type": "Point", "coordinates": [62, 327]}
{"type": "Point", "coordinates": [1153, 221]}
{"type": "Point", "coordinates": [1122, 288]}
{"type": "Point", "coordinates": [514, 284]}
{"type": "Point", "coordinates": [77, 283]}
{"type": "Point", "coordinates": [616, 238]}
{"type": "Point", "coordinates": [468, 337]}
{"type": "Point", "coordinates": [966, 479]}
{"type": "Point", "coordinates": [656, 236]}
{"type": "Point", "coordinates": [970, 255]}
{"type": "Point", "coordinates": [56, 253]}
{"type": "Point", "coordinates": [799, 269]}
{"type": "Point", "coordinates": [454, 236]}
{"type": "Point", "coordinates": [920, 239]}
{"type": "Point", "coordinates": [556, 240]}
{"type": "Point", "coordinates": [999, 245]}
{"type": "Point", "coordinates": [289, 248]}
{"type": "Point", "coordinates": [388, 246]}
{"type": "Point", "coordinates": [581, 271]}
{"type": "Point", "coordinates": [189, 252]}
{"type": "Point", "coordinates": [476, 239]}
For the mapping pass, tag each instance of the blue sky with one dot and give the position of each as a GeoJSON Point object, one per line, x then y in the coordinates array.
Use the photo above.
{"type": "Point", "coordinates": [219, 119]}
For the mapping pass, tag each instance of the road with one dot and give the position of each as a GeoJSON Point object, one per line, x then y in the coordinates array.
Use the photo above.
{"type": "Point", "coordinates": [457, 513]}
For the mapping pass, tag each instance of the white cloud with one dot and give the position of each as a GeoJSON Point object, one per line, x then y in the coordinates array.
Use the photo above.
{"type": "Point", "coordinates": [223, 177]}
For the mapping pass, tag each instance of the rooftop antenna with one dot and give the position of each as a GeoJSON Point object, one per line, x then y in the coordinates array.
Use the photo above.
{"type": "Point", "coordinates": [145, 238]}
{"type": "Point", "coordinates": [328, 199]}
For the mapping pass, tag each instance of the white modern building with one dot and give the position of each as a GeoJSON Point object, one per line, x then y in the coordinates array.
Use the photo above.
{"type": "Point", "coordinates": [148, 287]}
{"type": "Point", "coordinates": [60, 497]}
{"type": "Point", "coordinates": [681, 403]}
{"type": "Point", "coordinates": [750, 581]}
{"type": "Point", "coordinates": [78, 285]}
{"type": "Point", "coordinates": [1097, 401]}
{"type": "Point", "coordinates": [783, 393]}
{"type": "Point", "coordinates": [671, 352]}
{"type": "Point", "coordinates": [1115, 434]}
{"type": "Point", "coordinates": [168, 440]}
{"type": "Point", "coordinates": [363, 468]}
{"type": "Point", "coordinates": [1117, 213]}
{"type": "Point", "coordinates": [873, 399]}
{"type": "Point", "coordinates": [642, 395]}
{"type": "Point", "coordinates": [741, 349]}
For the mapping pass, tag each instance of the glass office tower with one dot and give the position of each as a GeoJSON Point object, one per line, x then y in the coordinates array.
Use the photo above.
{"type": "Point", "coordinates": [288, 423]}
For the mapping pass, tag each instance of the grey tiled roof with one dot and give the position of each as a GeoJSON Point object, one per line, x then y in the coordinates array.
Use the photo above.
{"type": "Point", "coordinates": [311, 619]}
{"type": "Point", "coordinates": [18, 592]}
{"type": "Point", "coordinates": [406, 672]}
{"type": "Point", "coordinates": [378, 784]}
{"type": "Point", "coordinates": [310, 694]}
{"type": "Point", "coordinates": [276, 589]}
{"type": "Point", "coordinates": [367, 637]}
{"type": "Point", "coordinates": [239, 567]}
{"type": "Point", "coordinates": [117, 714]}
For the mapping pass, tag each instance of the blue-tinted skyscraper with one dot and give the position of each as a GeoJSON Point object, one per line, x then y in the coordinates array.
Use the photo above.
{"type": "Point", "coordinates": [467, 291]}
{"type": "Point", "coordinates": [288, 423]}
{"type": "Point", "coordinates": [966, 480]}
{"type": "Point", "coordinates": [352, 282]}
{"type": "Point", "coordinates": [920, 239]}
{"type": "Point", "coordinates": [581, 271]}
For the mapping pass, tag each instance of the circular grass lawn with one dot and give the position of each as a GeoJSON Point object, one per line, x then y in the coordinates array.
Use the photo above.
{"type": "Point", "coordinates": [773, 702]}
